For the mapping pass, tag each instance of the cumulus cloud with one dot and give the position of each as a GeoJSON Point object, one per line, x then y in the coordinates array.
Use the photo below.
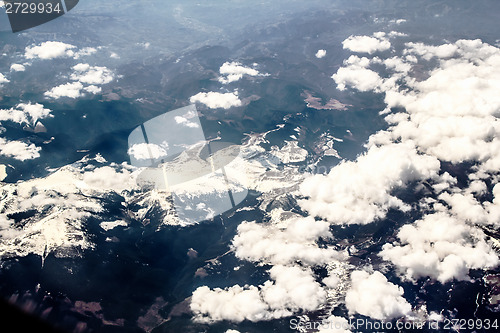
{"type": "Point", "coordinates": [17, 68]}
{"type": "Point", "coordinates": [70, 90]}
{"type": "Point", "coordinates": [85, 73]}
{"type": "Point", "coordinates": [93, 89]}
{"type": "Point", "coordinates": [453, 113]}
{"type": "Point", "coordinates": [108, 178]}
{"type": "Point", "coordinates": [85, 52]}
{"type": "Point", "coordinates": [3, 79]}
{"type": "Point", "coordinates": [185, 120]}
{"type": "Point", "coordinates": [234, 304]}
{"type": "Point", "coordinates": [373, 296]}
{"type": "Point", "coordinates": [146, 151]}
{"type": "Point", "coordinates": [367, 44]}
{"type": "Point", "coordinates": [449, 115]}
{"type": "Point", "coordinates": [464, 205]}
{"type": "Point", "coordinates": [361, 78]}
{"type": "Point", "coordinates": [19, 150]}
{"type": "Point", "coordinates": [216, 100]}
{"type": "Point", "coordinates": [234, 71]}
{"type": "Point", "coordinates": [290, 246]}
{"type": "Point", "coordinates": [292, 289]}
{"type": "Point", "coordinates": [50, 50]}
{"type": "Point", "coordinates": [320, 54]}
{"type": "Point", "coordinates": [396, 34]}
{"type": "Point", "coordinates": [356, 74]}
{"type": "Point", "coordinates": [82, 74]}
{"type": "Point", "coordinates": [292, 241]}
{"type": "Point", "coordinates": [427, 52]}
{"type": "Point", "coordinates": [441, 247]}
{"type": "Point", "coordinates": [397, 21]}
{"type": "Point", "coordinates": [53, 50]}
{"type": "Point", "coordinates": [25, 113]}
{"type": "Point", "coordinates": [360, 191]}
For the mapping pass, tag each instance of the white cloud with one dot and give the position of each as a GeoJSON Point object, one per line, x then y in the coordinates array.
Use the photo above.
{"type": "Point", "coordinates": [428, 51]}
{"type": "Point", "coordinates": [54, 50]}
{"type": "Point", "coordinates": [396, 64]}
{"type": "Point", "coordinates": [234, 304]}
{"type": "Point", "coordinates": [397, 21]}
{"type": "Point", "coordinates": [19, 150]}
{"type": "Point", "coordinates": [184, 121]}
{"type": "Point", "coordinates": [453, 113]}
{"type": "Point", "coordinates": [85, 73]}
{"type": "Point", "coordinates": [146, 151]}
{"type": "Point", "coordinates": [234, 71]}
{"type": "Point", "coordinates": [396, 34]}
{"type": "Point", "coordinates": [113, 224]}
{"type": "Point", "coordinates": [3, 79]}
{"type": "Point", "coordinates": [215, 100]}
{"type": "Point", "coordinates": [293, 240]}
{"type": "Point", "coordinates": [373, 296]}
{"type": "Point", "coordinates": [320, 54]}
{"type": "Point", "coordinates": [25, 113]}
{"type": "Point", "coordinates": [50, 50]}
{"type": "Point", "coordinates": [289, 243]}
{"type": "Point", "coordinates": [3, 172]}
{"type": "Point", "coordinates": [449, 115]}
{"type": "Point", "coordinates": [292, 289]}
{"type": "Point", "coordinates": [17, 68]}
{"type": "Point", "coordinates": [93, 89]}
{"type": "Point", "coordinates": [362, 79]}
{"type": "Point", "coordinates": [441, 247]}
{"type": "Point", "coordinates": [84, 52]}
{"type": "Point", "coordinates": [356, 61]}
{"type": "Point", "coordinates": [108, 178]}
{"type": "Point", "coordinates": [367, 44]}
{"type": "Point", "coordinates": [361, 191]}
{"type": "Point", "coordinates": [82, 74]}
{"type": "Point", "coordinates": [70, 90]}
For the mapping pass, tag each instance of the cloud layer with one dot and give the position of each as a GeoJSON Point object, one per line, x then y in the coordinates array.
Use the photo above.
{"type": "Point", "coordinates": [449, 116]}
{"type": "Point", "coordinates": [361, 191]}
{"type": "Point", "coordinates": [86, 77]}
